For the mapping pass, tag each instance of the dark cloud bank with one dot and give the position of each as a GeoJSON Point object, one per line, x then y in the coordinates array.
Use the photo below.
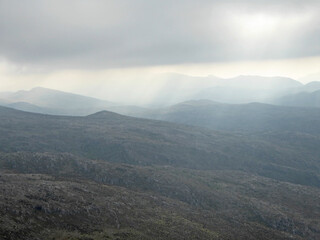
{"type": "Point", "coordinates": [128, 33]}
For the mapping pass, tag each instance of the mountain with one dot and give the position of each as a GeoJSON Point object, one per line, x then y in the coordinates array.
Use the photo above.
{"type": "Point", "coordinates": [48, 101]}
{"type": "Point", "coordinates": [175, 88]}
{"type": "Point", "coordinates": [166, 90]}
{"type": "Point", "coordinates": [116, 138]}
{"type": "Point", "coordinates": [54, 102]}
{"type": "Point", "coordinates": [3, 102]}
{"type": "Point", "coordinates": [246, 89]}
{"type": "Point", "coordinates": [259, 82]}
{"type": "Point", "coordinates": [109, 176]}
{"type": "Point", "coordinates": [302, 99]}
{"type": "Point", "coordinates": [171, 88]}
{"type": "Point", "coordinates": [24, 106]}
{"type": "Point", "coordinates": [253, 117]}
{"type": "Point", "coordinates": [241, 89]}
{"type": "Point", "coordinates": [311, 87]}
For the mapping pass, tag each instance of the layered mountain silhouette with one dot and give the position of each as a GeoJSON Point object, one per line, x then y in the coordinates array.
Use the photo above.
{"type": "Point", "coordinates": [44, 100]}
{"type": "Point", "coordinates": [253, 117]}
{"type": "Point", "coordinates": [301, 99]}
{"type": "Point", "coordinates": [174, 88]}
{"type": "Point", "coordinates": [116, 138]}
{"type": "Point", "coordinates": [179, 167]}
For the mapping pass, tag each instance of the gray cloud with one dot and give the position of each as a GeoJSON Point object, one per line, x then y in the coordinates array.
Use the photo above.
{"type": "Point", "coordinates": [95, 33]}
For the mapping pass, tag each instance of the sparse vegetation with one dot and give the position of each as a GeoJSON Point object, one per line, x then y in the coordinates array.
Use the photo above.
{"type": "Point", "coordinates": [107, 176]}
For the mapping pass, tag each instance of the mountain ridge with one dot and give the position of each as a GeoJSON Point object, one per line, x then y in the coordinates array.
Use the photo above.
{"type": "Point", "coordinates": [108, 176]}
{"type": "Point", "coordinates": [124, 139]}
{"type": "Point", "coordinates": [172, 89]}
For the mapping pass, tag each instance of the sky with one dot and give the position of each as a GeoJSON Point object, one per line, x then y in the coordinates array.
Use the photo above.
{"type": "Point", "coordinates": [77, 45]}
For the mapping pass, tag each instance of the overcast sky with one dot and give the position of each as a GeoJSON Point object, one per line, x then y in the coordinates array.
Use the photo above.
{"type": "Point", "coordinates": [50, 36]}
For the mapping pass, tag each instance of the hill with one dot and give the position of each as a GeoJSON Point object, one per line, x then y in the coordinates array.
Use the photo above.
{"type": "Point", "coordinates": [302, 99]}
{"type": "Point", "coordinates": [252, 117]}
{"type": "Point", "coordinates": [108, 176]}
{"type": "Point", "coordinates": [167, 89]}
{"type": "Point", "coordinates": [61, 196]}
{"type": "Point", "coordinates": [246, 89]}
{"type": "Point", "coordinates": [312, 86]}
{"type": "Point", "coordinates": [44, 100]}
{"type": "Point", "coordinates": [116, 138]}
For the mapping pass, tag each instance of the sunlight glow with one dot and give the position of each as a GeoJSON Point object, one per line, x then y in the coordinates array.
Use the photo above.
{"type": "Point", "coordinates": [257, 25]}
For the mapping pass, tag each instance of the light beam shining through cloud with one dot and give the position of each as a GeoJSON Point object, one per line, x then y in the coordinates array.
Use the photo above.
{"type": "Point", "coordinates": [81, 45]}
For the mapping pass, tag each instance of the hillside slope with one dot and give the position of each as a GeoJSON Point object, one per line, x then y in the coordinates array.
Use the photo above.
{"type": "Point", "coordinates": [90, 199]}
{"type": "Point", "coordinates": [108, 176]}
{"type": "Point", "coordinates": [301, 99]}
{"type": "Point", "coordinates": [253, 117]}
{"type": "Point", "coordinates": [49, 101]}
{"type": "Point", "coordinates": [116, 138]}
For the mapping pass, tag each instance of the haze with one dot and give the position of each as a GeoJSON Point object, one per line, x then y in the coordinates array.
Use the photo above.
{"type": "Point", "coordinates": [115, 50]}
{"type": "Point", "coordinates": [172, 119]}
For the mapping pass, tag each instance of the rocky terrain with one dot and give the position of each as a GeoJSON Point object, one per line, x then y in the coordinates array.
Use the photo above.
{"type": "Point", "coordinates": [107, 176]}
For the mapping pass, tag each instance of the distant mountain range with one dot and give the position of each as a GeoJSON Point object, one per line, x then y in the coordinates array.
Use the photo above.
{"type": "Point", "coordinates": [242, 89]}
{"type": "Point", "coordinates": [203, 113]}
{"type": "Point", "coordinates": [175, 88]}
{"type": "Point", "coordinates": [252, 117]}
{"type": "Point", "coordinates": [198, 169]}
{"type": "Point", "coordinates": [44, 100]}
{"type": "Point", "coordinates": [301, 99]}
{"type": "Point", "coordinates": [246, 89]}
